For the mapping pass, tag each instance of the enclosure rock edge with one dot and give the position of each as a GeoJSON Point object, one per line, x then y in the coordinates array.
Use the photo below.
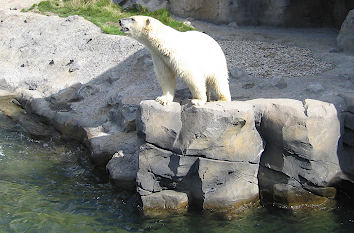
{"type": "Point", "coordinates": [294, 163]}
{"type": "Point", "coordinates": [292, 153]}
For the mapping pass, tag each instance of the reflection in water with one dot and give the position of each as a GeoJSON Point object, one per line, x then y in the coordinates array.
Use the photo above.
{"type": "Point", "coordinates": [50, 187]}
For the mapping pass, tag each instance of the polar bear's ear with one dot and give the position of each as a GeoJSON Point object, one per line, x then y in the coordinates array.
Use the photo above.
{"type": "Point", "coordinates": [147, 22]}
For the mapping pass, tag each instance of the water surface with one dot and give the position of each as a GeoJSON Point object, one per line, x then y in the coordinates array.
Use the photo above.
{"type": "Point", "coordinates": [51, 187]}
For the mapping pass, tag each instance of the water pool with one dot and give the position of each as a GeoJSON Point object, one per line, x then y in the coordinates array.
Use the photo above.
{"type": "Point", "coordinates": [47, 186]}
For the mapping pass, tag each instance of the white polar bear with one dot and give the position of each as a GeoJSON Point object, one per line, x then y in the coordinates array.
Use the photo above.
{"type": "Point", "coordinates": [193, 56]}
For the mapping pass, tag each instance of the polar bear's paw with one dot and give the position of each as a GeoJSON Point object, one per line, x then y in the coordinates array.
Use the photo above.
{"type": "Point", "coordinates": [198, 102]}
{"type": "Point", "coordinates": [164, 100]}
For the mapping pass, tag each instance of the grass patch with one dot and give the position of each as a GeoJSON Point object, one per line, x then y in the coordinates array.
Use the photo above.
{"type": "Point", "coordinates": [29, 9]}
{"type": "Point", "coordinates": [102, 13]}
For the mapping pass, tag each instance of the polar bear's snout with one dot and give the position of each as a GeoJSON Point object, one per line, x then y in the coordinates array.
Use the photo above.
{"type": "Point", "coordinates": [122, 27]}
{"type": "Point", "coordinates": [124, 24]}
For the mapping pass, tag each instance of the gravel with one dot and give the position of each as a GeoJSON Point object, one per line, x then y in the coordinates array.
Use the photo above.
{"type": "Point", "coordinates": [264, 59]}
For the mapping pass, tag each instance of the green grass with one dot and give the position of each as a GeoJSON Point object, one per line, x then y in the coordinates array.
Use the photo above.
{"type": "Point", "coordinates": [29, 9]}
{"type": "Point", "coordinates": [102, 13]}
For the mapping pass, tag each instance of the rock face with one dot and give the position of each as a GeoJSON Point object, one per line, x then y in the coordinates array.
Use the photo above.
{"type": "Point", "coordinates": [210, 153]}
{"type": "Point", "coordinates": [214, 154]}
{"type": "Point", "coordinates": [345, 39]}
{"type": "Point", "coordinates": [273, 12]}
{"type": "Point", "coordinates": [215, 11]}
{"type": "Point", "coordinates": [347, 158]}
{"type": "Point", "coordinates": [300, 158]}
{"type": "Point", "coordinates": [151, 5]}
{"type": "Point", "coordinates": [122, 170]}
{"type": "Point", "coordinates": [285, 13]}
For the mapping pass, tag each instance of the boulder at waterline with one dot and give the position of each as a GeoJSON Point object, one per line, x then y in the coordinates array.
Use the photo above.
{"type": "Point", "coordinates": [215, 153]}
{"type": "Point", "coordinates": [301, 151]}
{"type": "Point", "coordinates": [210, 152]}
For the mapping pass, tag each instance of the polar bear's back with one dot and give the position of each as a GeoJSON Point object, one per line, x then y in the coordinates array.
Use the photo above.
{"type": "Point", "coordinates": [201, 42]}
{"type": "Point", "coordinates": [197, 49]}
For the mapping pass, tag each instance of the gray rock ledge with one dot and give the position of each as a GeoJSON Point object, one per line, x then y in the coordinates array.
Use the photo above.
{"type": "Point", "coordinates": [227, 155]}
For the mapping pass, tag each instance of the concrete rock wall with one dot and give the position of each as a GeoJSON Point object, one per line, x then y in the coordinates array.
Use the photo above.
{"type": "Point", "coordinates": [210, 153]}
{"type": "Point", "coordinates": [293, 13]}
{"type": "Point", "coordinates": [213, 155]}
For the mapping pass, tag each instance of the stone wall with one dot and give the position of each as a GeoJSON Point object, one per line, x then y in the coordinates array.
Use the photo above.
{"type": "Point", "coordinates": [293, 13]}
{"type": "Point", "coordinates": [209, 153]}
{"type": "Point", "coordinates": [225, 155]}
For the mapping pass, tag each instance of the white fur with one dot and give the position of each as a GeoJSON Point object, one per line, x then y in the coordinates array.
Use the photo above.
{"type": "Point", "coordinates": [193, 56]}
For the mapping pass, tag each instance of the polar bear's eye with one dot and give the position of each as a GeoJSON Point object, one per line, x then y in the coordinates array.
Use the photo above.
{"type": "Point", "coordinates": [132, 19]}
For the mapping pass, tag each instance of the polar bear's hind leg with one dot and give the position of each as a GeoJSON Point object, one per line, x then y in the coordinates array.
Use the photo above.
{"type": "Point", "coordinates": [221, 87]}
{"type": "Point", "coordinates": [208, 92]}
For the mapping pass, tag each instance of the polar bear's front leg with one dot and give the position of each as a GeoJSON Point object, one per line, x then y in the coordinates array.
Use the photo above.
{"type": "Point", "coordinates": [166, 79]}
{"type": "Point", "coordinates": [164, 99]}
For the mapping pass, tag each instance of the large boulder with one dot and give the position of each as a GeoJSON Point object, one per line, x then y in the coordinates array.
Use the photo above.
{"type": "Point", "coordinates": [224, 185]}
{"type": "Point", "coordinates": [159, 125]}
{"type": "Point", "coordinates": [210, 152]}
{"type": "Point", "coordinates": [123, 111]}
{"type": "Point", "coordinates": [214, 153]}
{"type": "Point", "coordinates": [160, 170]}
{"type": "Point", "coordinates": [301, 157]}
{"type": "Point", "coordinates": [104, 144]}
{"type": "Point", "coordinates": [122, 170]}
{"type": "Point", "coordinates": [345, 39]}
{"type": "Point", "coordinates": [218, 130]}
{"type": "Point", "coordinates": [210, 184]}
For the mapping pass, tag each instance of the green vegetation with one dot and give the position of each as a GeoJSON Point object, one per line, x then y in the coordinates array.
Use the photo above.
{"type": "Point", "coordinates": [29, 9]}
{"type": "Point", "coordinates": [103, 13]}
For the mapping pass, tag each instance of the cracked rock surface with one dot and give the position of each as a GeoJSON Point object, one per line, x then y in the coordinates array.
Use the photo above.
{"type": "Point", "coordinates": [217, 156]}
{"type": "Point", "coordinates": [211, 152]}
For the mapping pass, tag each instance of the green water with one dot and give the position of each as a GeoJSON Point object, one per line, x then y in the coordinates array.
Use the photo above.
{"type": "Point", "coordinates": [50, 187]}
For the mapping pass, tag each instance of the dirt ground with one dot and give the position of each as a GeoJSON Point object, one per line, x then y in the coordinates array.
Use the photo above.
{"type": "Point", "coordinates": [19, 4]}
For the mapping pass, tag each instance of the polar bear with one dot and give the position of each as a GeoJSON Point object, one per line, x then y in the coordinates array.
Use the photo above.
{"type": "Point", "coordinates": [193, 56]}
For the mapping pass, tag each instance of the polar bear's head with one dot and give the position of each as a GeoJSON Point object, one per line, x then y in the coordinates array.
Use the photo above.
{"type": "Point", "coordinates": [137, 26]}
